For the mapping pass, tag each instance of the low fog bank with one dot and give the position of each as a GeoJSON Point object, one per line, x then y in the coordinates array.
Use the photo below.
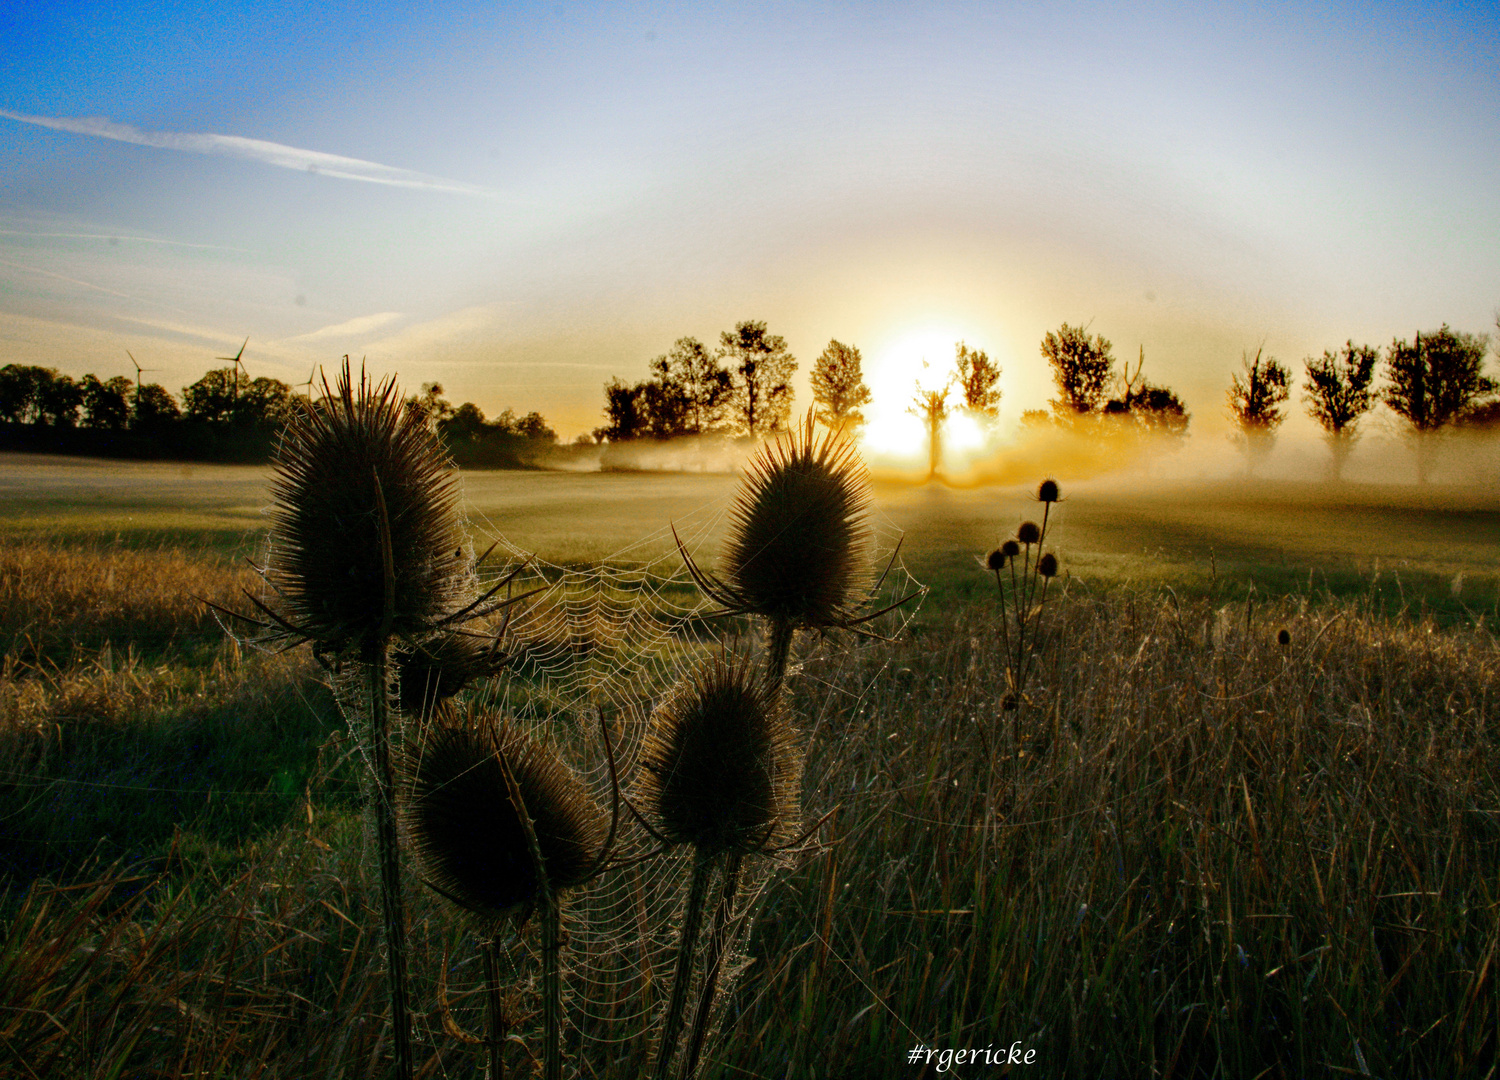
{"type": "Point", "coordinates": [1458, 459]}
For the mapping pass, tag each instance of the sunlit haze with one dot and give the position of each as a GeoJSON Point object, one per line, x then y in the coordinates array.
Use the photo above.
{"type": "Point", "coordinates": [524, 201]}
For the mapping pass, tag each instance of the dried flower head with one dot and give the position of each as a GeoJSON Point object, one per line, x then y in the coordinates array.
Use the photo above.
{"type": "Point", "coordinates": [434, 670]}
{"type": "Point", "coordinates": [1048, 491]}
{"type": "Point", "coordinates": [1046, 566]}
{"type": "Point", "coordinates": [995, 560]}
{"type": "Point", "coordinates": [366, 537]}
{"type": "Point", "coordinates": [1029, 533]}
{"type": "Point", "coordinates": [799, 544]}
{"type": "Point", "coordinates": [721, 763]}
{"type": "Point", "coordinates": [467, 831]}
{"type": "Point", "coordinates": [1010, 549]}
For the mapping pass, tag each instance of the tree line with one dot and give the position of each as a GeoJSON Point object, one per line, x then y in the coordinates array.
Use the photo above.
{"type": "Point", "coordinates": [225, 416]}
{"type": "Point", "coordinates": [1434, 383]}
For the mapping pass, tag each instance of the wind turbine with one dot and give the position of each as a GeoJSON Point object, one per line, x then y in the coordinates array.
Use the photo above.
{"type": "Point", "coordinates": [310, 376]}
{"type": "Point", "coordinates": [238, 367]}
{"type": "Point", "coordinates": [138, 370]}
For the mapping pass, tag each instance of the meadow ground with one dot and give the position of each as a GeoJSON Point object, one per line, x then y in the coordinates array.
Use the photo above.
{"type": "Point", "coordinates": [1193, 851]}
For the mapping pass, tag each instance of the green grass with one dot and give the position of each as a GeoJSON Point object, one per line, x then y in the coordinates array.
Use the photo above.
{"type": "Point", "coordinates": [1193, 852]}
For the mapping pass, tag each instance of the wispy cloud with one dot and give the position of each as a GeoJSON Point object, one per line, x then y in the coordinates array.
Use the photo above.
{"type": "Point", "coordinates": [356, 327]}
{"type": "Point", "coordinates": [115, 238]}
{"type": "Point", "coordinates": [268, 153]}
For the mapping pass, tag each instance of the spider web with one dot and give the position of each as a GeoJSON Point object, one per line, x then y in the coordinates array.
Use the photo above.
{"type": "Point", "coordinates": [605, 643]}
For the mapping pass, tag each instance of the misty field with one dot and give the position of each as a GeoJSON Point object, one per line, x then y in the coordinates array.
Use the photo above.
{"type": "Point", "coordinates": [1200, 847]}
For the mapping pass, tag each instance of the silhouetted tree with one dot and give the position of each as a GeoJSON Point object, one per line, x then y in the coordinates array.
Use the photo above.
{"type": "Point", "coordinates": [20, 392]}
{"type": "Point", "coordinates": [1338, 391]}
{"type": "Point", "coordinates": [704, 384]}
{"type": "Point", "coordinates": [1081, 368]}
{"type": "Point", "coordinates": [1153, 410]}
{"type": "Point", "coordinates": [665, 402]}
{"type": "Point", "coordinates": [1433, 381]}
{"type": "Point", "coordinates": [931, 407]}
{"type": "Point", "coordinates": [1255, 397]}
{"type": "Point", "coordinates": [265, 403]}
{"type": "Point", "coordinates": [838, 386]}
{"type": "Point", "coordinates": [212, 398]}
{"type": "Point", "coordinates": [465, 425]}
{"type": "Point", "coordinates": [978, 381]}
{"type": "Point", "coordinates": [106, 404]}
{"type": "Point", "coordinates": [534, 426]}
{"type": "Point", "coordinates": [762, 396]}
{"type": "Point", "coordinates": [430, 404]}
{"type": "Point", "coordinates": [623, 409]}
{"type": "Point", "coordinates": [154, 407]}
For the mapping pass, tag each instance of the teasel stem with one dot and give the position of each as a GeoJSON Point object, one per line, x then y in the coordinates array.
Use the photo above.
{"type": "Point", "coordinates": [551, 912]}
{"type": "Point", "coordinates": [1037, 630]}
{"type": "Point", "coordinates": [778, 649]}
{"type": "Point", "coordinates": [1016, 604]}
{"type": "Point", "coordinates": [498, 1022]}
{"type": "Point", "coordinates": [1042, 539]}
{"type": "Point", "coordinates": [1004, 626]}
{"type": "Point", "coordinates": [552, 989]}
{"type": "Point", "coordinates": [377, 661]}
{"type": "Point", "coordinates": [687, 946]}
{"type": "Point", "coordinates": [718, 946]}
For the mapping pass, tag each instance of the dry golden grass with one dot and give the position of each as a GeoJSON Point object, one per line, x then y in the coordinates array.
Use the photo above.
{"type": "Point", "coordinates": [1210, 855]}
{"type": "Point", "coordinates": [58, 604]}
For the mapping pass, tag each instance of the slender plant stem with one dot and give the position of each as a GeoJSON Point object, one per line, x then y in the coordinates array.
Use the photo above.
{"type": "Point", "coordinates": [552, 988]}
{"type": "Point", "coordinates": [378, 661]}
{"type": "Point", "coordinates": [551, 912]}
{"type": "Point", "coordinates": [713, 960]}
{"type": "Point", "coordinates": [498, 1021]}
{"type": "Point", "coordinates": [1004, 625]}
{"type": "Point", "coordinates": [1014, 667]}
{"type": "Point", "coordinates": [687, 946]}
{"type": "Point", "coordinates": [778, 650]}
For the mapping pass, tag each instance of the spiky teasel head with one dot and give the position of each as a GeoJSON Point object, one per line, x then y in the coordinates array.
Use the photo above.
{"type": "Point", "coordinates": [1048, 491]}
{"type": "Point", "coordinates": [1046, 566]}
{"type": "Point", "coordinates": [799, 545]}
{"type": "Point", "coordinates": [721, 763]}
{"type": "Point", "coordinates": [433, 671]}
{"type": "Point", "coordinates": [1010, 549]}
{"type": "Point", "coordinates": [1029, 533]}
{"type": "Point", "coordinates": [366, 537]}
{"type": "Point", "coordinates": [467, 831]}
{"type": "Point", "coordinates": [995, 560]}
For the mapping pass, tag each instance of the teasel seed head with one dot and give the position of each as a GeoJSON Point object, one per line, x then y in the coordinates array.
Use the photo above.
{"type": "Point", "coordinates": [799, 545]}
{"type": "Point", "coordinates": [1010, 549]}
{"type": "Point", "coordinates": [721, 763]}
{"type": "Point", "coordinates": [1048, 491]}
{"type": "Point", "coordinates": [351, 471]}
{"type": "Point", "coordinates": [466, 830]}
{"type": "Point", "coordinates": [995, 560]}
{"type": "Point", "coordinates": [1029, 533]}
{"type": "Point", "coordinates": [435, 670]}
{"type": "Point", "coordinates": [1046, 566]}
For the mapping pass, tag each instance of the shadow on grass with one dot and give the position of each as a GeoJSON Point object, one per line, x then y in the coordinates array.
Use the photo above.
{"type": "Point", "coordinates": [84, 785]}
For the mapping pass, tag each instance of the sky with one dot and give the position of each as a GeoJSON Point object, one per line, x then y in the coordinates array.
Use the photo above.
{"type": "Point", "coordinates": [523, 201]}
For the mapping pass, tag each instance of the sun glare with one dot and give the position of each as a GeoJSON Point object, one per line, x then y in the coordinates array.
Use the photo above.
{"type": "Point", "coordinates": [893, 436]}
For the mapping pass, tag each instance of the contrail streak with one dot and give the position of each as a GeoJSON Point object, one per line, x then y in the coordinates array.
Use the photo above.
{"type": "Point", "coordinates": [269, 153]}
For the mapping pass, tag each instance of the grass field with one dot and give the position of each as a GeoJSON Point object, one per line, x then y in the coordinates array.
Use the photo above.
{"type": "Point", "coordinates": [1192, 852]}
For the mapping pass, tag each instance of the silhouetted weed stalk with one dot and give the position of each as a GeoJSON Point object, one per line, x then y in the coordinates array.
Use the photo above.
{"type": "Point", "coordinates": [1023, 573]}
{"type": "Point", "coordinates": [367, 547]}
{"type": "Point", "coordinates": [723, 763]}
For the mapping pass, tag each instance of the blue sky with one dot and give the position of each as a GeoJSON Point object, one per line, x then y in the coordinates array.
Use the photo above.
{"type": "Point", "coordinates": [522, 201]}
